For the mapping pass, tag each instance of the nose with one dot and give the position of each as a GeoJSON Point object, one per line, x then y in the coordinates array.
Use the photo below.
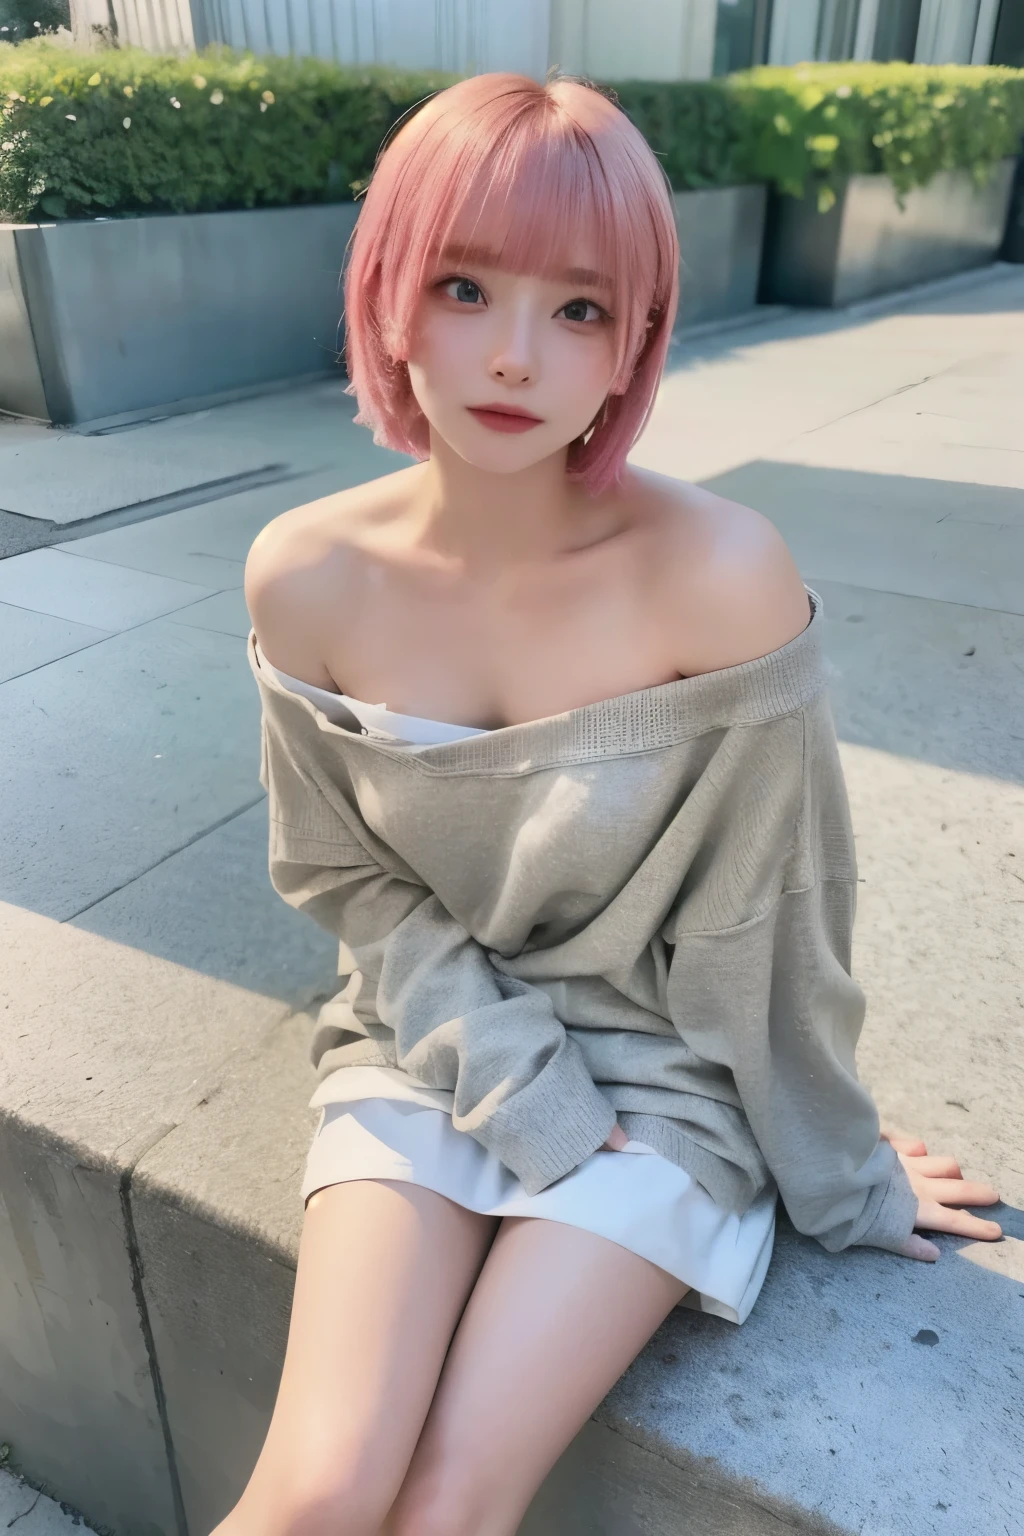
{"type": "Point", "coordinates": [513, 358]}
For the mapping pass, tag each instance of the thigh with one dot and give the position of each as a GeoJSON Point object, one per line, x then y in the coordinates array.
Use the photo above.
{"type": "Point", "coordinates": [384, 1271]}
{"type": "Point", "coordinates": [553, 1321]}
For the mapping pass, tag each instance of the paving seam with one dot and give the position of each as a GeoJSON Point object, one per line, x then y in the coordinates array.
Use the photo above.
{"type": "Point", "coordinates": [42, 533]}
{"type": "Point", "coordinates": [146, 1327]}
{"type": "Point", "coordinates": [112, 634]}
{"type": "Point", "coordinates": [214, 826]}
{"type": "Point", "coordinates": [214, 1080]}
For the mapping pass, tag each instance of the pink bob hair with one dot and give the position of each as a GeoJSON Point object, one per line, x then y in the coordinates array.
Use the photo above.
{"type": "Point", "coordinates": [548, 164]}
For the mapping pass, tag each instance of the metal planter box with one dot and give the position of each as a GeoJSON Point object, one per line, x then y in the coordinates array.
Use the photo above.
{"type": "Point", "coordinates": [867, 245]}
{"type": "Point", "coordinates": [721, 230]}
{"type": "Point", "coordinates": [102, 319]}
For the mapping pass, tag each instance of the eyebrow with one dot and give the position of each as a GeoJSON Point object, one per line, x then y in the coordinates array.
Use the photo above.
{"type": "Point", "coordinates": [480, 256]}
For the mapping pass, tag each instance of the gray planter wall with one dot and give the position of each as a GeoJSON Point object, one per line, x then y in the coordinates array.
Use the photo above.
{"type": "Point", "coordinates": [866, 244]}
{"type": "Point", "coordinates": [106, 318]}
{"type": "Point", "coordinates": [1013, 242]}
{"type": "Point", "coordinates": [721, 230]}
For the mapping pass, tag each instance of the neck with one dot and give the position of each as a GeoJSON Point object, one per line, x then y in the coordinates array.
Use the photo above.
{"type": "Point", "coordinates": [491, 522]}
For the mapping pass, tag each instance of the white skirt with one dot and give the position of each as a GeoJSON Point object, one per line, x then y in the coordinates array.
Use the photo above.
{"type": "Point", "coordinates": [379, 1123]}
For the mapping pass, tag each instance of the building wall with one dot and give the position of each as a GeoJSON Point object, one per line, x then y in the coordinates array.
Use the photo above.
{"type": "Point", "coordinates": [666, 40]}
{"type": "Point", "coordinates": [465, 36]}
{"type": "Point", "coordinates": [946, 31]}
{"type": "Point", "coordinates": [609, 39]}
{"type": "Point", "coordinates": [794, 33]}
{"type": "Point", "coordinates": [1008, 35]}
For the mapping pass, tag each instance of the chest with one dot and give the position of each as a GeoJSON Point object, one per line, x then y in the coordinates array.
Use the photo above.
{"type": "Point", "coordinates": [492, 656]}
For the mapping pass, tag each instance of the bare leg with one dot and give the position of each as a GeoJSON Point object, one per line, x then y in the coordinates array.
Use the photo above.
{"type": "Point", "coordinates": [554, 1319]}
{"type": "Point", "coordinates": [384, 1271]}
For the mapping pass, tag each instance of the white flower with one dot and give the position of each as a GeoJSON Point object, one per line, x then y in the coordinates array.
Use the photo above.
{"type": "Point", "coordinates": [217, 96]}
{"type": "Point", "coordinates": [175, 102]}
{"type": "Point", "coordinates": [126, 122]}
{"type": "Point", "coordinates": [8, 145]}
{"type": "Point", "coordinates": [263, 106]}
{"type": "Point", "coordinates": [71, 117]}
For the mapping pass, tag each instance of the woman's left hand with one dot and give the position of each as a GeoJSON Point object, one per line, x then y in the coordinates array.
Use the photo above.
{"type": "Point", "coordinates": [938, 1183]}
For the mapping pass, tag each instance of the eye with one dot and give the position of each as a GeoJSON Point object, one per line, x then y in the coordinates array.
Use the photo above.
{"type": "Point", "coordinates": [467, 291]}
{"type": "Point", "coordinates": [583, 305]}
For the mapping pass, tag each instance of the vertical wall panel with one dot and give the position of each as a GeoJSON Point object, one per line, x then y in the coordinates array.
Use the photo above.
{"type": "Point", "coordinates": [988, 15]}
{"type": "Point", "coordinates": [946, 31]}
{"type": "Point", "coordinates": [464, 36]}
{"type": "Point", "coordinates": [604, 38]}
{"type": "Point", "coordinates": [867, 24]}
{"type": "Point", "coordinates": [794, 34]}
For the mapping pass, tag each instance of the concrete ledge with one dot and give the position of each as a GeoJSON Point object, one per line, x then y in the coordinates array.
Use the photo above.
{"type": "Point", "coordinates": [852, 1400]}
{"type": "Point", "coordinates": [114, 1027]}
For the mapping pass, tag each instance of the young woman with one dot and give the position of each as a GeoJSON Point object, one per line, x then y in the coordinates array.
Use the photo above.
{"type": "Point", "coordinates": [547, 746]}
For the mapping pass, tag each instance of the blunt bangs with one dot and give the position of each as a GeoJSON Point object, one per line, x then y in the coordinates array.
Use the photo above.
{"type": "Point", "coordinates": [536, 176]}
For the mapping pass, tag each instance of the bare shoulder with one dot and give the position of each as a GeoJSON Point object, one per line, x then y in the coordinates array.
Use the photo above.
{"type": "Point", "coordinates": [304, 576]}
{"type": "Point", "coordinates": [726, 584]}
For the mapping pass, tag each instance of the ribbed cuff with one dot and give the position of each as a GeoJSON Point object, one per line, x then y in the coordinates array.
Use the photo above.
{"type": "Point", "coordinates": [552, 1125]}
{"type": "Point", "coordinates": [895, 1217]}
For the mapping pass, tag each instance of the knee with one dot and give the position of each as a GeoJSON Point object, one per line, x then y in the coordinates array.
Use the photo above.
{"type": "Point", "coordinates": [445, 1506]}
{"type": "Point", "coordinates": [306, 1504]}
{"type": "Point", "coordinates": [334, 1511]}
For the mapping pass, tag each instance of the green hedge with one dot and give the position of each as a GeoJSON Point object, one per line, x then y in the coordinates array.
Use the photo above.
{"type": "Point", "coordinates": [86, 135]}
{"type": "Point", "coordinates": [806, 127]}
{"type": "Point", "coordinates": [222, 130]}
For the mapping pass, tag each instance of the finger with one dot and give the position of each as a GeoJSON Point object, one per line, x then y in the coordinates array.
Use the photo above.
{"type": "Point", "coordinates": [932, 1167]}
{"type": "Point", "coordinates": [911, 1146]}
{"type": "Point", "coordinates": [954, 1191]}
{"type": "Point", "coordinates": [920, 1248]}
{"type": "Point", "coordinates": [938, 1218]}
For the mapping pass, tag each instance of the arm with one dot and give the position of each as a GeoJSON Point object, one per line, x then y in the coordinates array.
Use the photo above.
{"type": "Point", "coordinates": [774, 1000]}
{"type": "Point", "coordinates": [771, 995]}
{"type": "Point", "coordinates": [521, 1085]}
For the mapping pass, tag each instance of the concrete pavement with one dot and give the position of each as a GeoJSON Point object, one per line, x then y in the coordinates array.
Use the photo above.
{"type": "Point", "coordinates": [159, 995]}
{"type": "Point", "coordinates": [33, 1513]}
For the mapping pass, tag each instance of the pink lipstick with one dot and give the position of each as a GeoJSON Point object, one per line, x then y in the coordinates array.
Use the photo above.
{"type": "Point", "coordinates": [501, 418]}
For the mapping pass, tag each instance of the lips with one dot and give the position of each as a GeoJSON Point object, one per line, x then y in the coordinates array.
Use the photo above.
{"type": "Point", "coordinates": [503, 418]}
{"type": "Point", "coordinates": [506, 410]}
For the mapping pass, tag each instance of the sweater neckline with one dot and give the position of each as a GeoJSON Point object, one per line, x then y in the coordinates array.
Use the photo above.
{"type": "Point", "coordinates": [663, 714]}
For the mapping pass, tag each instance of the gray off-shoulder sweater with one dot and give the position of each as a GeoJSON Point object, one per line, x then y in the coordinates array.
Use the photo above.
{"type": "Point", "coordinates": [638, 910]}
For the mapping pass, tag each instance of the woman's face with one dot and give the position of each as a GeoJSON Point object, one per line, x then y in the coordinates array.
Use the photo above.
{"type": "Point", "coordinates": [542, 345]}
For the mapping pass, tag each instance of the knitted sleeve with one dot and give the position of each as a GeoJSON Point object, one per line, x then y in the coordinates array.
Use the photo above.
{"type": "Point", "coordinates": [521, 1085]}
{"type": "Point", "coordinates": [772, 998]}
